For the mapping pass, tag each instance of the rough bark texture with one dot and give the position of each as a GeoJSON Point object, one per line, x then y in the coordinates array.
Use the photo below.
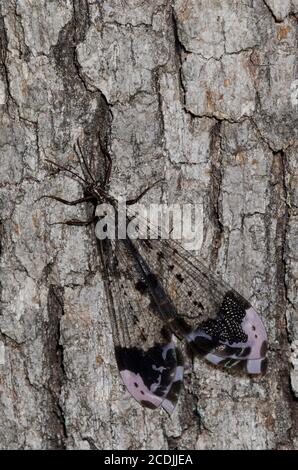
{"type": "Point", "coordinates": [202, 93]}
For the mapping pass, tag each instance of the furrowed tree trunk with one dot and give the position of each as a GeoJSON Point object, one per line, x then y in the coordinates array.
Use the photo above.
{"type": "Point", "coordinates": [202, 93]}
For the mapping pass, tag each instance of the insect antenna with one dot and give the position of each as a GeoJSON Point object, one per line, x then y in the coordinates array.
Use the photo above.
{"type": "Point", "coordinates": [108, 163]}
{"type": "Point", "coordinates": [133, 201]}
{"type": "Point", "coordinates": [80, 155]}
{"type": "Point", "coordinates": [68, 170]}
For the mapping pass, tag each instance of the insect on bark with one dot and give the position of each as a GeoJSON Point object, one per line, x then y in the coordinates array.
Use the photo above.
{"type": "Point", "coordinates": [157, 293]}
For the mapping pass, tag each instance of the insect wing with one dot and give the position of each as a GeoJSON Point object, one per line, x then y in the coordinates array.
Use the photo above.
{"type": "Point", "coordinates": [217, 322]}
{"type": "Point", "coordinates": [149, 362]}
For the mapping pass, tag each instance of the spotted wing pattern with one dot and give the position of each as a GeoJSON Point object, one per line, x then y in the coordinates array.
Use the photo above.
{"type": "Point", "coordinates": [217, 322]}
{"type": "Point", "coordinates": [157, 290]}
{"type": "Point", "coordinates": [235, 337]}
{"type": "Point", "coordinates": [150, 363]}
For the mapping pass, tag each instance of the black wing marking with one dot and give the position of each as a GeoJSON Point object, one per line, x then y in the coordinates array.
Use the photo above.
{"type": "Point", "coordinates": [217, 322]}
{"type": "Point", "coordinates": [149, 362]}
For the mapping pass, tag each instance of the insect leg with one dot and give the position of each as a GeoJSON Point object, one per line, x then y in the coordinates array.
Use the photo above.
{"type": "Point", "coordinates": [109, 168]}
{"type": "Point", "coordinates": [68, 170]}
{"type": "Point", "coordinates": [77, 222]}
{"type": "Point", "coordinates": [65, 201]}
{"type": "Point", "coordinates": [130, 202]}
{"type": "Point", "coordinates": [80, 155]}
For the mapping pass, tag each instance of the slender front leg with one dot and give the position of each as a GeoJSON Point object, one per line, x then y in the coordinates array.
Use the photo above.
{"type": "Point", "coordinates": [108, 170]}
{"type": "Point", "coordinates": [65, 201]}
{"type": "Point", "coordinates": [86, 165]}
{"type": "Point", "coordinates": [133, 201]}
{"type": "Point", "coordinates": [78, 223]}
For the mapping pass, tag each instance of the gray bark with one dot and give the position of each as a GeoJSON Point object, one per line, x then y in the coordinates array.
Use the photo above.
{"type": "Point", "coordinates": [202, 93]}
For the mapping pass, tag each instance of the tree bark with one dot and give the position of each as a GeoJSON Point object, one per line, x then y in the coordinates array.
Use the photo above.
{"type": "Point", "coordinates": [203, 94]}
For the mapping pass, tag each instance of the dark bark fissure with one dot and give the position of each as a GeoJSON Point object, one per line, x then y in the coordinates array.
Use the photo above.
{"type": "Point", "coordinates": [53, 345]}
{"type": "Point", "coordinates": [277, 20]}
{"type": "Point", "coordinates": [179, 51]}
{"type": "Point", "coordinates": [279, 208]}
{"type": "Point", "coordinates": [282, 282]}
{"type": "Point", "coordinates": [3, 67]}
{"type": "Point", "coordinates": [215, 189]}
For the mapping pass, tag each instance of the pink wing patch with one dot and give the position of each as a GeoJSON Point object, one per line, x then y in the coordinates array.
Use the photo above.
{"type": "Point", "coordinates": [237, 336]}
{"type": "Point", "coordinates": [252, 352]}
{"type": "Point", "coordinates": [152, 377]}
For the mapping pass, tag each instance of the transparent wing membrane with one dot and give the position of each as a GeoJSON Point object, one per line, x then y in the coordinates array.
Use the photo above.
{"type": "Point", "coordinates": [149, 362]}
{"type": "Point", "coordinates": [217, 322]}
